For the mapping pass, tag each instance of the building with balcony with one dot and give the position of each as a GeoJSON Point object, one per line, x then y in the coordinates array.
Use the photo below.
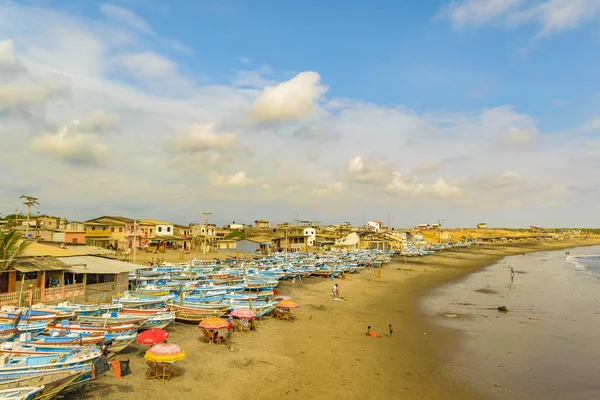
{"type": "Point", "coordinates": [108, 232]}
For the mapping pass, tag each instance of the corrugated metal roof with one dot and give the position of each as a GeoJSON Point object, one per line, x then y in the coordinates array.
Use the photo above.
{"type": "Point", "coordinates": [37, 249]}
{"type": "Point", "coordinates": [33, 264]}
{"type": "Point", "coordinates": [98, 265]}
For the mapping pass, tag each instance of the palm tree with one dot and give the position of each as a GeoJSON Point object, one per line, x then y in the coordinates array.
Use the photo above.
{"type": "Point", "coordinates": [11, 246]}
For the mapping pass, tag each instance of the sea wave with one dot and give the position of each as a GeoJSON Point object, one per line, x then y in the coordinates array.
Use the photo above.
{"type": "Point", "coordinates": [589, 264]}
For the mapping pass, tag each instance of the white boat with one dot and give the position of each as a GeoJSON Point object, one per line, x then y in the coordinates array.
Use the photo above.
{"type": "Point", "coordinates": [24, 393]}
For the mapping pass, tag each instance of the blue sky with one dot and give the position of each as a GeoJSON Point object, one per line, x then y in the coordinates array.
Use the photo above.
{"type": "Point", "coordinates": [486, 110]}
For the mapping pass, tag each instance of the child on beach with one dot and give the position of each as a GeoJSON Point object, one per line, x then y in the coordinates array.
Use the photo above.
{"type": "Point", "coordinates": [371, 333]}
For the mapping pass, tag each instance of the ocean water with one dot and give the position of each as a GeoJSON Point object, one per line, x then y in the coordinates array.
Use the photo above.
{"type": "Point", "coordinates": [588, 264]}
{"type": "Point", "coordinates": [547, 345]}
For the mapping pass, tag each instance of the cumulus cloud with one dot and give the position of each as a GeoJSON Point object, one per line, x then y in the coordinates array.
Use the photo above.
{"type": "Point", "coordinates": [202, 137]}
{"type": "Point", "coordinates": [401, 185]}
{"type": "Point", "coordinates": [236, 180]}
{"type": "Point", "coordinates": [367, 170]}
{"type": "Point", "coordinates": [290, 100]}
{"type": "Point", "coordinates": [71, 147]}
{"type": "Point", "coordinates": [10, 65]}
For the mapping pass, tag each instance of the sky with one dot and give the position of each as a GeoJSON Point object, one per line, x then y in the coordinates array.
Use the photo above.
{"type": "Point", "coordinates": [414, 111]}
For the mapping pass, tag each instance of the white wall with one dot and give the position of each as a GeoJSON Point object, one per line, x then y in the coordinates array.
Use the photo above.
{"type": "Point", "coordinates": [164, 230]}
{"type": "Point", "coordinates": [311, 234]}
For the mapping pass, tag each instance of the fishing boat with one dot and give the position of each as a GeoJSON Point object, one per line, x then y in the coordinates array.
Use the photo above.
{"type": "Point", "coordinates": [195, 315]}
{"type": "Point", "coordinates": [24, 393]}
{"type": "Point", "coordinates": [52, 383]}
{"type": "Point", "coordinates": [45, 360]}
{"type": "Point", "coordinates": [115, 319]}
{"type": "Point", "coordinates": [86, 327]}
{"type": "Point", "coordinates": [7, 331]}
{"type": "Point", "coordinates": [68, 339]}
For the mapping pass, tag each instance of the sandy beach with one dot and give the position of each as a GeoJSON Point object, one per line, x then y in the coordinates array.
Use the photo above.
{"type": "Point", "coordinates": [325, 352]}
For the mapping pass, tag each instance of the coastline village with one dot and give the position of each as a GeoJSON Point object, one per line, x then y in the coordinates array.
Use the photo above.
{"type": "Point", "coordinates": [73, 294]}
{"type": "Point", "coordinates": [93, 258]}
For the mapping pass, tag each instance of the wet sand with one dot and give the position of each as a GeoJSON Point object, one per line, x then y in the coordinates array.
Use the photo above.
{"type": "Point", "coordinates": [325, 352]}
{"type": "Point", "coordinates": [545, 346]}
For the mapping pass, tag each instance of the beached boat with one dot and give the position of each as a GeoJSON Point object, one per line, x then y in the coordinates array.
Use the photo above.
{"type": "Point", "coordinates": [195, 315]}
{"type": "Point", "coordinates": [115, 319]}
{"type": "Point", "coordinates": [13, 361]}
{"type": "Point", "coordinates": [53, 383]}
{"type": "Point", "coordinates": [7, 331]}
{"type": "Point", "coordinates": [24, 393]}
{"type": "Point", "coordinates": [68, 339]}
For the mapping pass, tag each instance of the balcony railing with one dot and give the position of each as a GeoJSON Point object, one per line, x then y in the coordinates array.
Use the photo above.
{"type": "Point", "coordinates": [93, 234]}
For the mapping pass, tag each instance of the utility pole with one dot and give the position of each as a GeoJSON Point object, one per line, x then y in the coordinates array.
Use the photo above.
{"type": "Point", "coordinates": [133, 244]}
{"type": "Point", "coordinates": [286, 244]}
{"type": "Point", "coordinates": [30, 201]}
{"type": "Point", "coordinates": [206, 214]}
{"type": "Point", "coordinates": [440, 229]}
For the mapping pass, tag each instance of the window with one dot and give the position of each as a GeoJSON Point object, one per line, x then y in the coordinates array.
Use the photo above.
{"type": "Point", "coordinates": [112, 230]}
{"type": "Point", "coordinates": [120, 229]}
{"type": "Point", "coordinates": [168, 229]}
{"type": "Point", "coordinates": [103, 228]}
{"type": "Point", "coordinates": [159, 229]}
{"type": "Point", "coordinates": [75, 240]}
{"type": "Point", "coordinates": [151, 231]}
{"type": "Point", "coordinates": [93, 228]}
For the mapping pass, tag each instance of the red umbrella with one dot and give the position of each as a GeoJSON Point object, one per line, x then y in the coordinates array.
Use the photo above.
{"type": "Point", "coordinates": [152, 336]}
{"type": "Point", "coordinates": [243, 313]}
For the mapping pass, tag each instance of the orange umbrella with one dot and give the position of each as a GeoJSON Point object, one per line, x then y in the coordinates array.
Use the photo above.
{"type": "Point", "coordinates": [287, 304]}
{"type": "Point", "coordinates": [213, 323]}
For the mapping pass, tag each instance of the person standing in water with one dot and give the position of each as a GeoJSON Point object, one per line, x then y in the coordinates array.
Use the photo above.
{"type": "Point", "coordinates": [512, 274]}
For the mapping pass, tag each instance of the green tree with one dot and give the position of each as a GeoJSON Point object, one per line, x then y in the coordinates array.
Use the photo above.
{"type": "Point", "coordinates": [11, 246]}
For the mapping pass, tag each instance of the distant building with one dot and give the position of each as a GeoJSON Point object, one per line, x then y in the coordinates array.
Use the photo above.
{"type": "Point", "coordinates": [261, 224]}
{"type": "Point", "coordinates": [253, 245]}
{"type": "Point", "coordinates": [208, 230]}
{"type": "Point", "coordinates": [235, 227]}
{"type": "Point", "coordinates": [482, 225]}
{"type": "Point", "coordinates": [375, 225]}
{"type": "Point", "coordinates": [422, 227]}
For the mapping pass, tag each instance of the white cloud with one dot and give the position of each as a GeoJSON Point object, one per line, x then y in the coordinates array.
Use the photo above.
{"type": "Point", "coordinates": [126, 17]}
{"type": "Point", "coordinates": [367, 170]}
{"type": "Point", "coordinates": [478, 12]}
{"type": "Point", "coordinates": [290, 100]}
{"type": "Point", "coordinates": [236, 180]}
{"type": "Point", "coordinates": [71, 147]}
{"type": "Point", "coordinates": [550, 15]}
{"type": "Point", "coordinates": [147, 64]}
{"type": "Point", "coordinates": [329, 189]}
{"type": "Point", "coordinates": [202, 137]}
{"type": "Point", "coordinates": [400, 185]}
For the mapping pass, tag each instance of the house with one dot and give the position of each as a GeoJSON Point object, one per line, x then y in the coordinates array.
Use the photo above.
{"type": "Point", "coordinates": [72, 226]}
{"type": "Point", "coordinates": [375, 225]}
{"type": "Point", "coordinates": [209, 230]}
{"type": "Point", "coordinates": [71, 237]}
{"type": "Point", "coordinates": [422, 227]}
{"type": "Point", "coordinates": [109, 232]}
{"type": "Point", "coordinates": [261, 224]}
{"type": "Point", "coordinates": [185, 234]}
{"type": "Point", "coordinates": [254, 244]}
{"type": "Point", "coordinates": [296, 238]}
{"type": "Point", "coordinates": [160, 228]}
{"type": "Point", "coordinates": [482, 225]}
{"type": "Point", "coordinates": [235, 227]}
{"type": "Point", "coordinates": [227, 245]}
{"type": "Point", "coordinates": [436, 226]}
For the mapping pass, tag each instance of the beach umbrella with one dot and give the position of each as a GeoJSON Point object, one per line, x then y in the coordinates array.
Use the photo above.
{"type": "Point", "coordinates": [213, 323]}
{"type": "Point", "coordinates": [287, 304]}
{"type": "Point", "coordinates": [152, 336]}
{"type": "Point", "coordinates": [243, 313]}
{"type": "Point", "coordinates": [279, 298]}
{"type": "Point", "coordinates": [165, 352]}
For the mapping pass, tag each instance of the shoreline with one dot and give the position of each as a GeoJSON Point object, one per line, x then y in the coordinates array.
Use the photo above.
{"type": "Point", "coordinates": [325, 352]}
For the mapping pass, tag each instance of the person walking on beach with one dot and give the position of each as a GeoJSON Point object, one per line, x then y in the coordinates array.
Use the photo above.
{"type": "Point", "coordinates": [391, 330]}
{"type": "Point", "coordinates": [512, 274]}
{"type": "Point", "coordinates": [334, 291]}
{"type": "Point", "coordinates": [337, 291]}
